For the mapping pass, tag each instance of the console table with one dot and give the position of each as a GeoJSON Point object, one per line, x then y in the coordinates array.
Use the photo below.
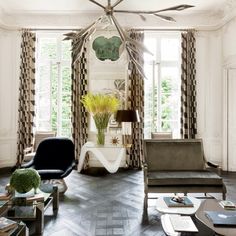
{"type": "Point", "coordinates": [102, 153]}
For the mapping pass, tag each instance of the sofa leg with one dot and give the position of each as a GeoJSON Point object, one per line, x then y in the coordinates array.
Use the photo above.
{"type": "Point", "coordinates": [145, 203]}
{"type": "Point", "coordinates": [145, 210]}
{"type": "Point", "coordinates": [224, 196]}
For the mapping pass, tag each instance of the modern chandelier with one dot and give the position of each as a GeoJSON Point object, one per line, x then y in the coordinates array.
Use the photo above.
{"type": "Point", "coordinates": [133, 47]}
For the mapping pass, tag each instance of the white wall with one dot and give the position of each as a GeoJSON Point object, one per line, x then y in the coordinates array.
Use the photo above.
{"type": "Point", "coordinates": [9, 71]}
{"type": "Point", "coordinates": [209, 92]}
{"type": "Point", "coordinates": [228, 41]}
{"type": "Point", "coordinates": [215, 54]}
{"type": "Point", "coordinates": [229, 63]}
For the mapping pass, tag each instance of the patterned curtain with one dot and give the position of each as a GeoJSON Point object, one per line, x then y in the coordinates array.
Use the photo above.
{"type": "Point", "coordinates": [26, 94]}
{"type": "Point", "coordinates": [79, 114]}
{"type": "Point", "coordinates": [188, 87]}
{"type": "Point", "coordinates": [136, 102]}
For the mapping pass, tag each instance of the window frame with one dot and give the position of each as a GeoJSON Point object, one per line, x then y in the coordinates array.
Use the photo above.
{"type": "Point", "coordinates": [59, 62]}
{"type": "Point", "coordinates": [158, 64]}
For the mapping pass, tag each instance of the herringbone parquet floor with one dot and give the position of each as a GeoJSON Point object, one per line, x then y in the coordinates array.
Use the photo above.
{"type": "Point", "coordinates": [110, 204]}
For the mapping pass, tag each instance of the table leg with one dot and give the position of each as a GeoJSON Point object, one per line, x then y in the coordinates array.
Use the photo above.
{"type": "Point", "coordinates": [55, 200]}
{"type": "Point", "coordinates": [39, 222]}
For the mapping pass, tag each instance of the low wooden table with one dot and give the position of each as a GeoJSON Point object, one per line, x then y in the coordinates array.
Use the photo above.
{"type": "Point", "coordinates": [213, 205]}
{"type": "Point", "coordinates": [52, 197]}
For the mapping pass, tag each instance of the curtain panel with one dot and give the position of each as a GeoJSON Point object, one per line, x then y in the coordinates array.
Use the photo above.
{"type": "Point", "coordinates": [79, 114]}
{"type": "Point", "coordinates": [188, 86]}
{"type": "Point", "coordinates": [26, 106]}
{"type": "Point", "coordinates": [136, 102]}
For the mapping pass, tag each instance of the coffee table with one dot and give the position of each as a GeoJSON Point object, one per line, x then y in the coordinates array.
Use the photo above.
{"type": "Point", "coordinates": [213, 205]}
{"type": "Point", "coordinates": [27, 214]}
{"type": "Point", "coordinates": [166, 224]}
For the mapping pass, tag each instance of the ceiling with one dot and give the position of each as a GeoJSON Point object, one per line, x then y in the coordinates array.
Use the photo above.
{"type": "Point", "coordinates": [16, 6]}
{"type": "Point", "coordinates": [74, 13]}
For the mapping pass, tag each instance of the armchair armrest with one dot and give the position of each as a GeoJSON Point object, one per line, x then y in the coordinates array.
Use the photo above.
{"type": "Point", "coordinates": [28, 150]}
{"type": "Point", "coordinates": [214, 166]}
{"type": "Point", "coordinates": [211, 164]}
{"type": "Point", "coordinates": [28, 164]}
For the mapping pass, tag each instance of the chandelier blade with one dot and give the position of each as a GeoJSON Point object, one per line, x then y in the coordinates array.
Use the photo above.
{"type": "Point", "coordinates": [97, 3]}
{"type": "Point", "coordinates": [116, 3]}
{"type": "Point", "coordinates": [133, 47]}
{"type": "Point", "coordinates": [166, 18]}
{"type": "Point", "coordinates": [176, 8]}
{"type": "Point", "coordinates": [119, 29]}
{"type": "Point", "coordinates": [135, 62]}
{"type": "Point", "coordinates": [136, 44]}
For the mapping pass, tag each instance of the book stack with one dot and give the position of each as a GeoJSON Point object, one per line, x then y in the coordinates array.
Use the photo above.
{"type": "Point", "coordinates": [7, 226]}
{"type": "Point", "coordinates": [228, 205]}
{"type": "Point", "coordinates": [222, 218]}
{"type": "Point", "coordinates": [175, 225]}
{"type": "Point", "coordinates": [185, 202]}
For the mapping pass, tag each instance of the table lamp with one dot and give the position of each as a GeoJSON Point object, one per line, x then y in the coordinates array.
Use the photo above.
{"type": "Point", "coordinates": [125, 117]}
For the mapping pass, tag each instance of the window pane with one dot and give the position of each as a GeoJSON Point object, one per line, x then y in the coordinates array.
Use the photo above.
{"type": "Point", "coordinates": [66, 50]}
{"type": "Point", "coordinates": [170, 79]}
{"type": "Point", "coordinates": [169, 49]}
{"type": "Point", "coordinates": [54, 95]}
{"type": "Point", "coordinates": [150, 44]}
{"type": "Point", "coordinates": [148, 100]}
{"type": "Point", "coordinates": [53, 85]}
{"type": "Point", "coordinates": [48, 48]}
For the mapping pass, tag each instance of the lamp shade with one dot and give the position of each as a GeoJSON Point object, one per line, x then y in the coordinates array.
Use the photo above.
{"type": "Point", "coordinates": [127, 116]}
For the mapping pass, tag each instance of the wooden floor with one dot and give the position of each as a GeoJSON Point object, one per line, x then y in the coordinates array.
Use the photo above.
{"type": "Point", "coordinates": [109, 204]}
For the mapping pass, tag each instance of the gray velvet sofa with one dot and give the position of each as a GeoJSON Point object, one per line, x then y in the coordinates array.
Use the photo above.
{"type": "Point", "coordinates": [178, 166]}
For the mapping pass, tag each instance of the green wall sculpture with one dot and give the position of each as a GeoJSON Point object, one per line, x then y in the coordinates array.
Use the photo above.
{"type": "Point", "coordinates": [107, 49]}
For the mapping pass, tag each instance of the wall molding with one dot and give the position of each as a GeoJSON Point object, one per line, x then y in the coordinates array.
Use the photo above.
{"type": "Point", "coordinates": [201, 20]}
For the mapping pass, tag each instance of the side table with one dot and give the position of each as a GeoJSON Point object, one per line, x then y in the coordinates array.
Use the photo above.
{"type": "Point", "coordinates": [101, 153]}
{"type": "Point", "coordinates": [213, 205]}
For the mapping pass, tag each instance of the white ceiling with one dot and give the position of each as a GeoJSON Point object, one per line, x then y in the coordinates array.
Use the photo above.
{"type": "Point", "coordinates": [20, 6]}
{"type": "Point", "coordinates": [80, 13]}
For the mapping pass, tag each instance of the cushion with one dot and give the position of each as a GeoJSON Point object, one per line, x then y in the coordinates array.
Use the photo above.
{"type": "Point", "coordinates": [174, 154]}
{"type": "Point", "coordinates": [183, 178]}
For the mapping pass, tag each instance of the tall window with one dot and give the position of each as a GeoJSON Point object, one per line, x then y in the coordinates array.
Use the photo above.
{"type": "Point", "coordinates": [162, 87]}
{"type": "Point", "coordinates": [53, 84]}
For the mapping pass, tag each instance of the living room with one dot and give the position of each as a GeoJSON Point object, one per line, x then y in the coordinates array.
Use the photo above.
{"type": "Point", "coordinates": [212, 26]}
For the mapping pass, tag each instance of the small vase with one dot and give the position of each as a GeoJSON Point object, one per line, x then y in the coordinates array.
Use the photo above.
{"type": "Point", "coordinates": [101, 137]}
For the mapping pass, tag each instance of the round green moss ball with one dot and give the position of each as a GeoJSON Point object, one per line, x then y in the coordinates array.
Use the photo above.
{"type": "Point", "coordinates": [23, 180]}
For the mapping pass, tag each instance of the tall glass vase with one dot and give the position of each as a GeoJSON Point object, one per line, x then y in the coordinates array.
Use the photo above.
{"type": "Point", "coordinates": [101, 136]}
{"type": "Point", "coordinates": [101, 121]}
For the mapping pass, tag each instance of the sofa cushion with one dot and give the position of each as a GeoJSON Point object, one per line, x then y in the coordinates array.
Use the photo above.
{"type": "Point", "coordinates": [174, 155]}
{"type": "Point", "coordinates": [183, 178]}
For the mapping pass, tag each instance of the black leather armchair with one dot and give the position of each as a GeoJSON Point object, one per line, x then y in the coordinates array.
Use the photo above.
{"type": "Point", "coordinates": [54, 159]}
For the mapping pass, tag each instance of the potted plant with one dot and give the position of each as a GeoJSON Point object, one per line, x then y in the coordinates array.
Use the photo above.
{"type": "Point", "coordinates": [101, 107]}
{"type": "Point", "coordinates": [23, 180]}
